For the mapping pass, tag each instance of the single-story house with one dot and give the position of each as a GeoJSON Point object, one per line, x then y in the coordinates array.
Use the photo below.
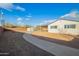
{"type": "Point", "coordinates": [64, 26]}
{"type": "Point", "coordinates": [41, 28]}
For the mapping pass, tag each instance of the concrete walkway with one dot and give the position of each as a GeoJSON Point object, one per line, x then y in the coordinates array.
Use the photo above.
{"type": "Point", "coordinates": [53, 48]}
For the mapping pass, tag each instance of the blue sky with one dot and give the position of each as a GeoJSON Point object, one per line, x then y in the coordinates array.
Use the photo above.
{"type": "Point", "coordinates": [35, 13]}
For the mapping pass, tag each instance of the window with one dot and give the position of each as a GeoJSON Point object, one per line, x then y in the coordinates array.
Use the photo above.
{"type": "Point", "coordinates": [70, 26]}
{"type": "Point", "coordinates": [53, 27]}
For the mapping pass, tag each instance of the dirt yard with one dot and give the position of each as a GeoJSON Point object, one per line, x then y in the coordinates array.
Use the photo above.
{"type": "Point", "coordinates": [13, 44]}
{"type": "Point", "coordinates": [54, 35]}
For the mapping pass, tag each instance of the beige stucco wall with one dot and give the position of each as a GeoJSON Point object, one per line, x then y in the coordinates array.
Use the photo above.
{"type": "Point", "coordinates": [62, 30]}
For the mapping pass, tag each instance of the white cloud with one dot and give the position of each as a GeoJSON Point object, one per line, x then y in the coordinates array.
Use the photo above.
{"type": "Point", "coordinates": [65, 15]}
{"type": "Point", "coordinates": [48, 21]}
{"type": "Point", "coordinates": [7, 6]}
{"type": "Point", "coordinates": [27, 19]}
{"type": "Point", "coordinates": [20, 8]}
{"type": "Point", "coordinates": [29, 16]}
{"type": "Point", "coordinates": [11, 6]}
{"type": "Point", "coordinates": [20, 23]}
{"type": "Point", "coordinates": [45, 22]}
{"type": "Point", "coordinates": [19, 19]}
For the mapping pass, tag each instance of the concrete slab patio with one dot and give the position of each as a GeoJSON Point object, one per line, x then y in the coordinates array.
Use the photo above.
{"type": "Point", "coordinates": [53, 48]}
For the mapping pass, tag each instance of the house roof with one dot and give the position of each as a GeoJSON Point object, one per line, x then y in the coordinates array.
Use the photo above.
{"type": "Point", "coordinates": [64, 19]}
{"type": "Point", "coordinates": [72, 16]}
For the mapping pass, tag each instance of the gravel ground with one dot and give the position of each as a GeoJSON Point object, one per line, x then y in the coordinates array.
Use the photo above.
{"type": "Point", "coordinates": [61, 37]}
{"type": "Point", "coordinates": [13, 44]}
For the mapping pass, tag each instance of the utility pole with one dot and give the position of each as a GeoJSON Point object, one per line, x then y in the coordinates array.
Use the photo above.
{"type": "Point", "coordinates": [2, 21]}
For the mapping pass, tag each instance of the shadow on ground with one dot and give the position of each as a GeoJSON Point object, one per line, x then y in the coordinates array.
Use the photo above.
{"type": "Point", "coordinates": [74, 43]}
{"type": "Point", "coordinates": [13, 44]}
